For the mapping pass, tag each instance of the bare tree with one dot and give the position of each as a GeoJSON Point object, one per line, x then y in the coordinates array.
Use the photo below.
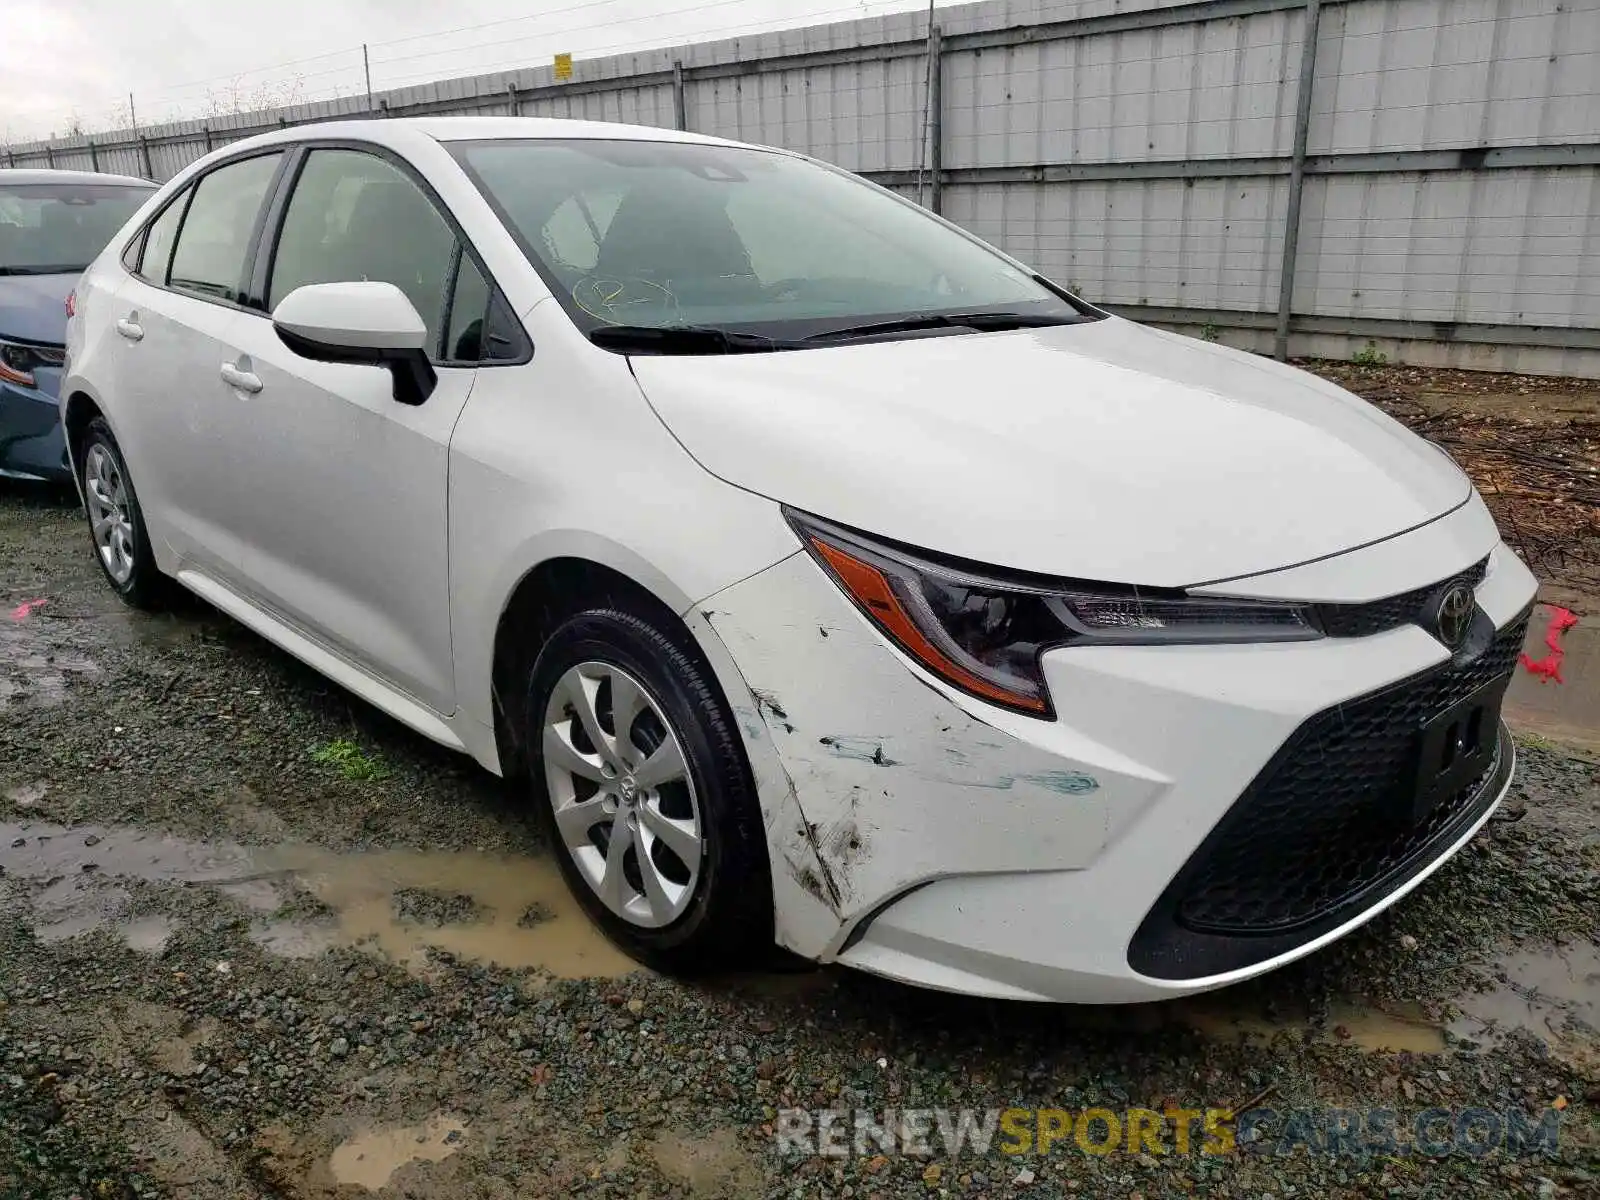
{"type": "Point", "coordinates": [236, 98]}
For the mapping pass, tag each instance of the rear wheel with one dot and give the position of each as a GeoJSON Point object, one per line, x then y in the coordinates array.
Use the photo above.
{"type": "Point", "coordinates": [116, 523]}
{"type": "Point", "coordinates": [646, 793]}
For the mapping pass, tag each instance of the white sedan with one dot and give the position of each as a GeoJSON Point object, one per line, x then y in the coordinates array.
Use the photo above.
{"type": "Point", "coordinates": [823, 575]}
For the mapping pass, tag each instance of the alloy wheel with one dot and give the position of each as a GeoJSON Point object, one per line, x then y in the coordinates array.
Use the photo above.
{"type": "Point", "coordinates": [109, 518]}
{"type": "Point", "coordinates": [624, 805]}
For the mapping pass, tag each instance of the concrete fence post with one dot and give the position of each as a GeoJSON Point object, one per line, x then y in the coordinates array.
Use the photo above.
{"type": "Point", "coordinates": [935, 119]}
{"type": "Point", "coordinates": [1297, 179]}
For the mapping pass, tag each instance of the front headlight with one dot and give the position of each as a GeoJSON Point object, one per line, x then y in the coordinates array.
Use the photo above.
{"type": "Point", "coordinates": [19, 361]}
{"type": "Point", "coordinates": [983, 631]}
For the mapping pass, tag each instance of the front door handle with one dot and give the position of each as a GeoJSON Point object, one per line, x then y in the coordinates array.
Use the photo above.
{"type": "Point", "coordinates": [245, 381]}
{"type": "Point", "coordinates": [130, 328]}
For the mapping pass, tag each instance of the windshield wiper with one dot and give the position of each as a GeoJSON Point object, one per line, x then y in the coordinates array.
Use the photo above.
{"type": "Point", "coordinates": [684, 339]}
{"type": "Point", "coordinates": [47, 270]}
{"type": "Point", "coordinates": [985, 322]}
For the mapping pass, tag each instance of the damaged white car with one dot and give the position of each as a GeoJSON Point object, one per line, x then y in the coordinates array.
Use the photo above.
{"type": "Point", "coordinates": [832, 579]}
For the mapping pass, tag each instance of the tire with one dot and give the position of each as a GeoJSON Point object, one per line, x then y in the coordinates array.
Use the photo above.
{"type": "Point", "coordinates": [108, 494]}
{"type": "Point", "coordinates": [712, 914]}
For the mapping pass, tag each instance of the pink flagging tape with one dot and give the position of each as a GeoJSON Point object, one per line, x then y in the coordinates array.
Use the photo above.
{"type": "Point", "coordinates": [1548, 668]}
{"type": "Point", "coordinates": [25, 610]}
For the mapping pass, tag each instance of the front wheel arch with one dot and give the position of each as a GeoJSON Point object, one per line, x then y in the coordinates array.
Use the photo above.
{"type": "Point", "coordinates": [545, 596]}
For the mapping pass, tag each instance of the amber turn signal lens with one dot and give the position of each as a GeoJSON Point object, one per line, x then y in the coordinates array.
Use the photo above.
{"type": "Point", "coordinates": [869, 588]}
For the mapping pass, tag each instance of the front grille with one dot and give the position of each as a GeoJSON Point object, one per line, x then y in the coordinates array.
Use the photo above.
{"type": "Point", "coordinates": [1316, 834]}
{"type": "Point", "coordinates": [1361, 620]}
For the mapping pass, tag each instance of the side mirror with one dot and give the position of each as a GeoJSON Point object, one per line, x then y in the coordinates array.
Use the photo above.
{"type": "Point", "coordinates": [359, 322]}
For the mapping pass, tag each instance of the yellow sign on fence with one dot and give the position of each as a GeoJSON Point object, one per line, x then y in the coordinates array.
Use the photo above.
{"type": "Point", "coordinates": [563, 66]}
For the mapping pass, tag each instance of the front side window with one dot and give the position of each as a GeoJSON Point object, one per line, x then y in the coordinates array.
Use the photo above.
{"type": "Point", "coordinates": [666, 234]}
{"type": "Point", "coordinates": [214, 239]}
{"type": "Point", "coordinates": [469, 309]}
{"type": "Point", "coordinates": [355, 216]}
{"type": "Point", "coordinates": [60, 228]}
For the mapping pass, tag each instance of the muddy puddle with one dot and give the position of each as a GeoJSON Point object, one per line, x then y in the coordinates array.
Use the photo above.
{"type": "Point", "coordinates": [522, 914]}
{"type": "Point", "coordinates": [1218, 1017]}
{"type": "Point", "coordinates": [499, 910]}
{"type": "Point", "coordinates": [38, 660]}
{"type": "Point", "coordinates": [371, 1158]}
{"type": "Point", "coordinates": [516, 912]}
{"type": "Point", "coordinates": [706, 1163]}
{"type": "Point", "coordinates": [48, 644]}
{"type": "Point", "coordinates": [1381, 1031]}
{"type": "Point", "coordinates": [1552, 993]}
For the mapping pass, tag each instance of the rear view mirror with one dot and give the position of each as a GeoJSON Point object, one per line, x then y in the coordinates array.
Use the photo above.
{"type": "Point", "coordinates": [359, 322]}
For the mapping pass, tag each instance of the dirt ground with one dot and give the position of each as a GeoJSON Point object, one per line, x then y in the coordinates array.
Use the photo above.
{"type": "Point", "coordinates": [257, 940]}
{"type": "Point", "coordinates": [1532, 445]}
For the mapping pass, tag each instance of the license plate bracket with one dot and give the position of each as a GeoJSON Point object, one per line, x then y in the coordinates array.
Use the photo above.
{"type": "Point", "coordinates": [1453, 749]}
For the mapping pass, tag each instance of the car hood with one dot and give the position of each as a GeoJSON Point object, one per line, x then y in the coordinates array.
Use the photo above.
{"type": "Point", "coordinates": [1104, 451]}
{"type": "Point", "coordinates": [34, 307]}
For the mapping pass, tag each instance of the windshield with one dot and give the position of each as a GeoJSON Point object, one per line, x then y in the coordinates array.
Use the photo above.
{"type": "Point", "coordinates": [59, 228]}
{"type": "Point", "coordinates": [666, 234]}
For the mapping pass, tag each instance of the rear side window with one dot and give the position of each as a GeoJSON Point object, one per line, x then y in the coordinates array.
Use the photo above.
{"type": "Point", "coordinates": [355, 216]}
{"type": "Point", "coordinates": [158, 242]}
{"type": "Point", "coordinates": [214, 241]}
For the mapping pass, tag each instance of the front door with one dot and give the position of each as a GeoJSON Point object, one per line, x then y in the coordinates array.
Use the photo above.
{"type": "Point", "coordinates": [347, 525]}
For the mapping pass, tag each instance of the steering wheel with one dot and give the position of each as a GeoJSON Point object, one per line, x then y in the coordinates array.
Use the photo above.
{"type": "Point", "coordinates": [622, 300]}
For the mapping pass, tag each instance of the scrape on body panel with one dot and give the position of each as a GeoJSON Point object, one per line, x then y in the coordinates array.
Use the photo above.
{"type": "Point", "coordinates": [897, 780]}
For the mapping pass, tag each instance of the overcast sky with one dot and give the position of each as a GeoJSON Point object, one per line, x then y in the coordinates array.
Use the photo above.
{"type": "Point", "coordinates": [77, 60]}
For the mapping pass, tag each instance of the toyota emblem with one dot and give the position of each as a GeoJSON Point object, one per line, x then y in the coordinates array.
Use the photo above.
{"type": "Point", "coordinates": [1454, 615]}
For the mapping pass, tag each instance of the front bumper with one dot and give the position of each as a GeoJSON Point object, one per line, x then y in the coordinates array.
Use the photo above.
{"type": "Point", "coordinates": [976, 850]}
{"type": "Point", "coordinates": [32, 445]}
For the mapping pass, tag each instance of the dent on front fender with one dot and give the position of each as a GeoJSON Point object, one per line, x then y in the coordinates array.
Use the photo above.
{"type": "Point", "coordinates": [805, 899]}
{"type": "Point", "coordinates": [896, 780]}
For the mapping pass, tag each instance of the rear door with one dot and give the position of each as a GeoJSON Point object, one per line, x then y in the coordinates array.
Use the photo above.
{"type": "Point", "coordinates": [346, 525]}
{"type": "Point", "coordinates": [178, 419]}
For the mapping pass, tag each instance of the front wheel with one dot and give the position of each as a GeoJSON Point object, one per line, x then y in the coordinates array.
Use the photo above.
{"type": "Point", "coordinates": [116, 522]}
{"type": "Point", "coordinates": [648, 799]}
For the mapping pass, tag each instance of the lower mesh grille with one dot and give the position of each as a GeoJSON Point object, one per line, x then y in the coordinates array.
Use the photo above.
{"type": "Point", "coordinates": [1314, 830]}
{"type": "Point", "coordinates": [1315, 836]}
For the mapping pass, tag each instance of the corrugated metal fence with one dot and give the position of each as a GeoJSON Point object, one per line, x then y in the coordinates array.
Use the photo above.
{"type": "Point", "coordinates": [1439, 166]}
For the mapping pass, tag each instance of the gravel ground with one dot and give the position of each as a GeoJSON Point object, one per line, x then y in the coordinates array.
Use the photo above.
{"type": "Point", "coordinates": [245, 922]}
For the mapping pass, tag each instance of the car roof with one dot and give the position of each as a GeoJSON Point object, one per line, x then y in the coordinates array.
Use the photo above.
{"type": "Point", "coordinates": [16, 175]}
{"type": "Point", "coordinates": [397, 132]}
{"type": "Point", "coordinates": [458, 129]}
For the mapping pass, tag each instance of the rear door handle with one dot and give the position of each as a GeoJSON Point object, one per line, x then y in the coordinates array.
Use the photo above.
{"type": "Point", "coordinates": [130, 328]}
{"type": "Point", "coordinates": [245, 381]}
